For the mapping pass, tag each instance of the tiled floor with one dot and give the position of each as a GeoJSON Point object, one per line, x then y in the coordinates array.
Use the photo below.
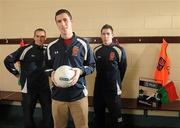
{"type": "Point", "coordinates": [11, 117]}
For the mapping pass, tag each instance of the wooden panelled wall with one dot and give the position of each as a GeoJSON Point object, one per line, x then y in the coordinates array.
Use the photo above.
{"type": "Point", "coordinates": [155, 39]}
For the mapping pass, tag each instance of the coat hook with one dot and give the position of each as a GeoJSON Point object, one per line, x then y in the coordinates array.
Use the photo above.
{"type": "Point", "coordinates": [94, 40]}
{"type": "Point", "coordinates": [6, 40]}
{"type": "Point", "coordinates": [117, 41]}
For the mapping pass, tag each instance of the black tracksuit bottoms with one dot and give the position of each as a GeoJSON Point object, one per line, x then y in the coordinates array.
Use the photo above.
{"type": "Point", "coordinates": [29, 101]}
{"type": "Point", "coordinates": [113, 104]}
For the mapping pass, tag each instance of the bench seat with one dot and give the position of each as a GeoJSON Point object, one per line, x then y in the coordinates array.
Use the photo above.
{"type": "Point", "coordinates": [127, 103]}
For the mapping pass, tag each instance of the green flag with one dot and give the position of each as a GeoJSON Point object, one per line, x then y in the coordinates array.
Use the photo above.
{"type": "Point", "coordinates": [164, 95]}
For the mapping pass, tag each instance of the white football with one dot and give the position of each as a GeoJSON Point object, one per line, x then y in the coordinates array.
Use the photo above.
{"type": "Point", "coordinates": [63, 76]}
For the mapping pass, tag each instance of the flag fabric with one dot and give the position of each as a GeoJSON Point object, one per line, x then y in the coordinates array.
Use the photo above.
{"type": "Point", "coordinates": [162, 70]}
{"type": "Point", "coordinates": [22, 43]}
{"type": "Point", "coordinates": [168, 93]}
{"type": "Point", "coordinates": [171, 90]}
{"type": "Point", "coordinates": [163, 95]}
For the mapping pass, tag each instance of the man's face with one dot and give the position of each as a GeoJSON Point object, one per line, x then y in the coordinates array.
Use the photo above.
{"type": "Point", "coordinates": [106, 36]}
{"type": "Point", "coordinates": [39, 37]}
{"type": "Point", "coordinates": [64, 24]}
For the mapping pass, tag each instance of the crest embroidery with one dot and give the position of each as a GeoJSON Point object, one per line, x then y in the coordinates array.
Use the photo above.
{"type": "Point", "coordinates": [111, 56]}
{"type": "Point", "coordinates": [75, 51]}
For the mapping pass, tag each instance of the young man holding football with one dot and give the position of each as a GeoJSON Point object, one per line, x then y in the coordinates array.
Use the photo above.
{"type": "Point", "coordinates": [73, 51]}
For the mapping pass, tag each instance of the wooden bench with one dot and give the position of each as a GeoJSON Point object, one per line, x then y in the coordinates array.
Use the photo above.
{"type": "Point", "coordinates": [127, 103]}
{"type": "Point", "coordinates": [10, 96]}
{"type": "Point", "coordinates": [131, 103]}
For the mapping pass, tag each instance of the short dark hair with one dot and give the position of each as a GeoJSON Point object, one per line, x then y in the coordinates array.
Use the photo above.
{"type": "Point", "coordinates": [39, 29]}
{"type": "Point", "coordinates": [107, 26]}
{"type": "Point", "coordinates": [63, 11]}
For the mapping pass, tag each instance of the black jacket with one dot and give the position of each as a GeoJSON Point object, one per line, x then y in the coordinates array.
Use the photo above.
{"type": "Point", "coordinates": [111, 66]}
{"type": "Point", "coordinates": [79, 55]}
{"type": "Point", "coordinates": [32, 65]}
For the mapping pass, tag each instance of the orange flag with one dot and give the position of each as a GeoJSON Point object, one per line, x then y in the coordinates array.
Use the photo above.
{"type": "Point", "coordinates": [162, 69]}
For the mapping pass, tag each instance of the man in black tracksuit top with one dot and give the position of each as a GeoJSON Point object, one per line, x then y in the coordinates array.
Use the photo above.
{"type": "Point", "coordinates": [75, 52]}
{"type": "Point", "coordinates": [77, 55]}
{"type": "Point", "coordinates": [33, 79]}
{"type": "Point", "coordinates": [110, 67]}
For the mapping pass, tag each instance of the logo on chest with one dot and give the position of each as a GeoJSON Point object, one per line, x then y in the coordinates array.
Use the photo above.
{"type": "Point", "coordinates": [56, 52]}
{"type": "Point", "coordinates": [75, 51]}
{"type": "Point", "coordinates": [32, 55]}
{"type": "Point", "coordinates": [112, 56]}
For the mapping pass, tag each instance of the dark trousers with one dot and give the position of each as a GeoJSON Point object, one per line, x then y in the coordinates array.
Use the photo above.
{"type": "Point", "coordinates": [113, 104]}
{"type": "Point", "coordinates": [29, 101]}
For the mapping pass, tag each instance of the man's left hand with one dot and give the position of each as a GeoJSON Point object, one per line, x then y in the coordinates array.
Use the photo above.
{"type": "Point", "coordinates": [75, 78]}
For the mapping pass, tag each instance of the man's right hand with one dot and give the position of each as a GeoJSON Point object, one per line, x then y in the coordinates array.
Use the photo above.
{"type": "Point", "coordinates": [52, 77]}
